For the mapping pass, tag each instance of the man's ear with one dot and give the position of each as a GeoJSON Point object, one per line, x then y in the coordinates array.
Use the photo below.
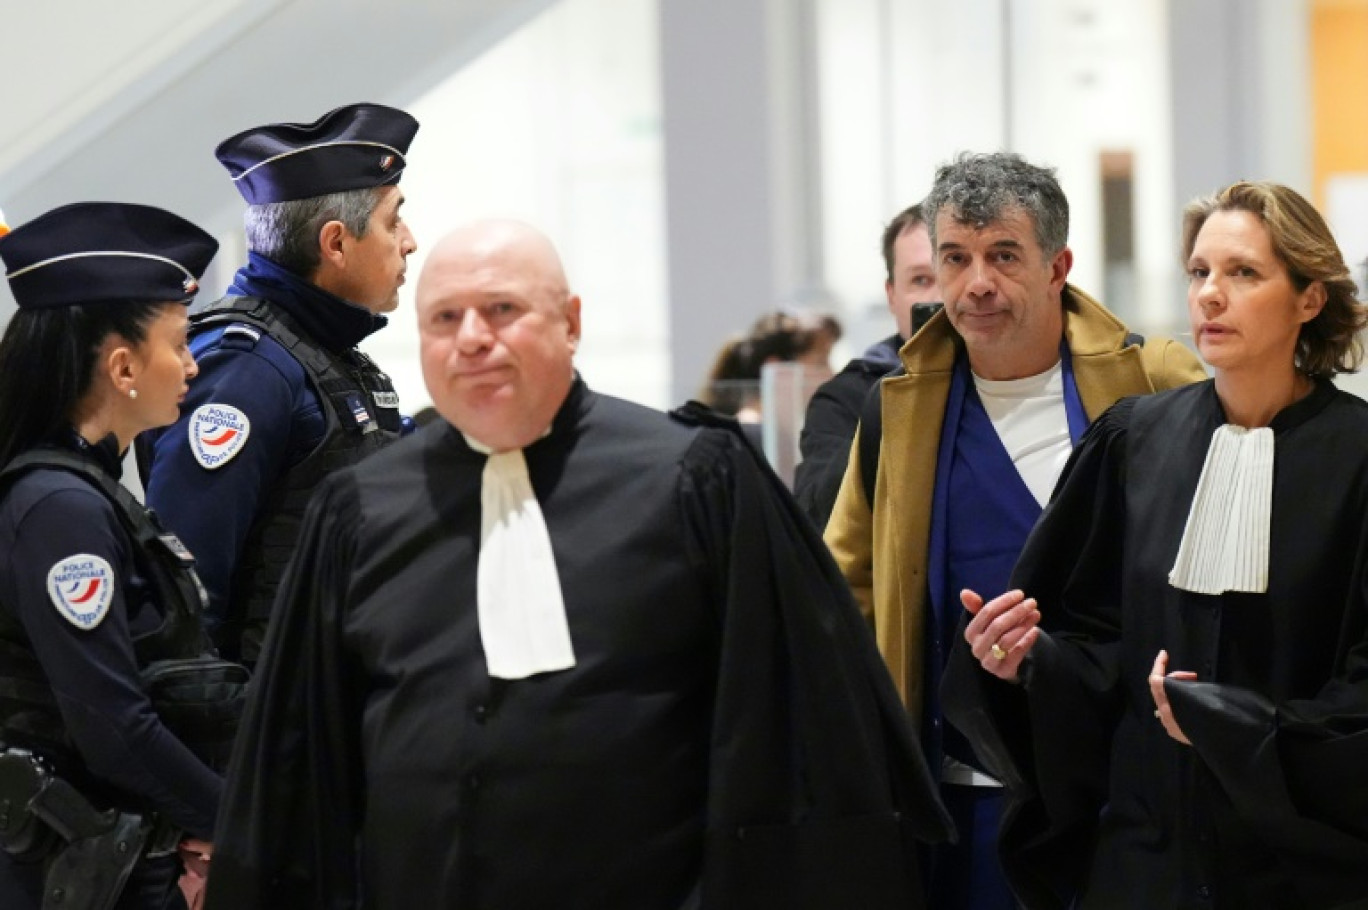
{"type": "Point", "coordinates": [1060, 267]}
{"type": "Point", "coordinates": [332, 237]}
{"type": "Point", "coordinates": [572, 317]}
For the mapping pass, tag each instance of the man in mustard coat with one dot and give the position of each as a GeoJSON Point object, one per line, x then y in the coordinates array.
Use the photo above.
{"type": "Point", "coordinates": [993, 395]}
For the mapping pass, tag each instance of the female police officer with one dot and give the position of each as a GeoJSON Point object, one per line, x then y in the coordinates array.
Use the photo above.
{"type": "Point", "coordinates": [92, 592]}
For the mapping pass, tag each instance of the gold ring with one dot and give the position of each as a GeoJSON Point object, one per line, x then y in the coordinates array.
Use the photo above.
{"type": "Point", "coordinates": [998, 652]}
{"type": "Point", "coordinates": [1156, 714]}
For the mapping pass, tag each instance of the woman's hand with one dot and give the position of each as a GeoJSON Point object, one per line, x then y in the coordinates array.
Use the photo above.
{"type": "Point", "coordinates": [195, 855]}
{"type": "Point", "coordinates": [1162, 709]}
{"type": "Point", "coordinates": [1002, 631]}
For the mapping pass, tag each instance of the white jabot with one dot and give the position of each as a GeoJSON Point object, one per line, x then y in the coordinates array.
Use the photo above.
{"type": "Point", "coordinates": [1225, 542]}
{"type": "Point", "coordinates": [523, 626]}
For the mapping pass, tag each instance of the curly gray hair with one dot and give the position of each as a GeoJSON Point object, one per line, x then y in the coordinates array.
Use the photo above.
{"type": "Point", "coordinates": [979, 188]}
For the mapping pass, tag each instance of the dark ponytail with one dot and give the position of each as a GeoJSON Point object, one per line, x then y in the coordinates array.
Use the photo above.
{"type": "Point", "coordinates": [47, 361]}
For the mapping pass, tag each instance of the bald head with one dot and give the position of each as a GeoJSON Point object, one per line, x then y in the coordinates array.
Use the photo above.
{"type": "Point", "coordinates": [513, 247]}
{"type": "Point", "coordinates": [499, 329]}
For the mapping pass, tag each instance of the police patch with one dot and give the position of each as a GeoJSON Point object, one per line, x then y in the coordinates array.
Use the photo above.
{"type": "Point", "coordinates": [81, 588]}
{"type": "Point", "coordinates": [217, 433]}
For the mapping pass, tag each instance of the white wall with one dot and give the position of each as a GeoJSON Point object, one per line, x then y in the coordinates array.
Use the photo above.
{"type": "Point", "coordinates": [908, 83]}
{"type": "Point", "coordinates": [558, 125]}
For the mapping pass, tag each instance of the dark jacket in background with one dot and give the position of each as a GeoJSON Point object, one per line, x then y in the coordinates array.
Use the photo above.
{"type": "Point", "coordinates": [832, 416]}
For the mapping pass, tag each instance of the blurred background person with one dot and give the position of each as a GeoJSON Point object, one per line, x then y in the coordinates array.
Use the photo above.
{"type": "Point", "coordinates": [733, 383]}
{"type": "Point", "coordinates": [733, 386]}
{"type": "Point", "coordinates": [1178, 700]}
{"type": "Point", "coordinates": [825, 330]}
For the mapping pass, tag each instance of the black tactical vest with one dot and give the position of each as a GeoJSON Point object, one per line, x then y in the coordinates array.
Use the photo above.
{"type": "Point", "coordinates": [361, 410]}
{"type": "Point", "coordinates": [29, 717]}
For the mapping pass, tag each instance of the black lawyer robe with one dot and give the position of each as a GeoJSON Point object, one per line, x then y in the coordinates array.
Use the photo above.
{"type": "Point", "coordinates": [1267, 808]}
{"type": "Point", "coordinates": [727, 738]}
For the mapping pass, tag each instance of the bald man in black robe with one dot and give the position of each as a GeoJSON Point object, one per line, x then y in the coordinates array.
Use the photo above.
{"type": "Point", "coordinates": [715, 728]}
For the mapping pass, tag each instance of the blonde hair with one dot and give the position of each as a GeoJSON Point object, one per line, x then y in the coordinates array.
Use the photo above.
{"type": "Point", "coordinates": [1329, 343]}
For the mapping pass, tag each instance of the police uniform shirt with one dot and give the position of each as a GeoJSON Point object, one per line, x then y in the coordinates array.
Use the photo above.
{"type": "Point", "coordinates": [628, 780]}
{"type": "Point", "coordinates": [71, 576]}
{"type": "Point", "coordinates": [213, 506]}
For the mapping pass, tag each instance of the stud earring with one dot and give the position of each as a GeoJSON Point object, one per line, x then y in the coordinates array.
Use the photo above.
{"type": "Point", "coordinates": [132, 393]}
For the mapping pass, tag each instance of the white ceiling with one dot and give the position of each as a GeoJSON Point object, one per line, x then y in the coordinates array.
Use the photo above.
{"type": "Point", "coordinates": [74, 74]}
{"type": "Point", "coordinates": [127, 101]}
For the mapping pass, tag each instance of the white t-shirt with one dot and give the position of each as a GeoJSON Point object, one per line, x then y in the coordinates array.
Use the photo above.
{"type": "Point", "coordinates": [1030, 419]}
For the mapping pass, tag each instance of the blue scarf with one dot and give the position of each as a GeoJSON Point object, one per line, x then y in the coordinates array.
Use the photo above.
{"type": "Point", "coordinates": [337, 324]}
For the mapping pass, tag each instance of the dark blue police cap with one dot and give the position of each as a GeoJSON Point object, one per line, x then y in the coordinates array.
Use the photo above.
{"type": "Point", "coordinates": [352, 148]}
{"type": "Point", "coordinates": [91, 252]}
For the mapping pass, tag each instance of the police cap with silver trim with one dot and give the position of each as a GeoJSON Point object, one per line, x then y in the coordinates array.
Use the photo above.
{"type": "Point", "coordinates": [93, 252]}
{"type": "Point", "coordinates": [351, 148]}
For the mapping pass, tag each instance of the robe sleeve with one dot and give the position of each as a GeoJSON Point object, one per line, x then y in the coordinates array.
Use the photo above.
{"type": "Point", "coordinates": [818, 790]}
{"type": "Point", "coordinates": [1285, 766]}
{"type": "Point", "coordinates": [288, 827]}
{"type": "Point", "coordinates": [1049, 739]}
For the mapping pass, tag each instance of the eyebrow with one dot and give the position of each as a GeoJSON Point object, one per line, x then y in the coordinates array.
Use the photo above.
{"type": "Point", "coordinates": [1005, 243]}
{"type": "Point", "coordinates": [1241, 257]}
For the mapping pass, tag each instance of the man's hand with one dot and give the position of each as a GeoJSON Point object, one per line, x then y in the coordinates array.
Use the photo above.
{"type": "Point", "coordinates": [1002, 631]}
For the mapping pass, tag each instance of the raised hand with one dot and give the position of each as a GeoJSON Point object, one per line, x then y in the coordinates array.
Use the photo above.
{"type": "Point", "coordinates": [1002, 631]}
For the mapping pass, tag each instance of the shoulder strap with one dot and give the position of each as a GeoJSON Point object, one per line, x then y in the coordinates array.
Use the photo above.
{"type": "Point", "coordinates": [871, 435]}
{"type": "Point", "coordinates": [128, 506]}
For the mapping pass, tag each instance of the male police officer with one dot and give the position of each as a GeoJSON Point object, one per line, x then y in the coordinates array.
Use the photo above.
{"type": "Point", "coordinates": [283, 396]}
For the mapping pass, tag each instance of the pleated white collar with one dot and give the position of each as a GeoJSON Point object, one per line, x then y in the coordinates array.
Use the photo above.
{"type": "Point", "coordinates": [1225, 542]}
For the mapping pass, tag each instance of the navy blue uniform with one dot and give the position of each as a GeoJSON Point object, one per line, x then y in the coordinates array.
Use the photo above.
{"type": "Point", "coordinates": [212, 510]}
{"type": "Point", "coordinates": [48, 518]}
{"type": "Point", "coordinates": [216, 507]}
